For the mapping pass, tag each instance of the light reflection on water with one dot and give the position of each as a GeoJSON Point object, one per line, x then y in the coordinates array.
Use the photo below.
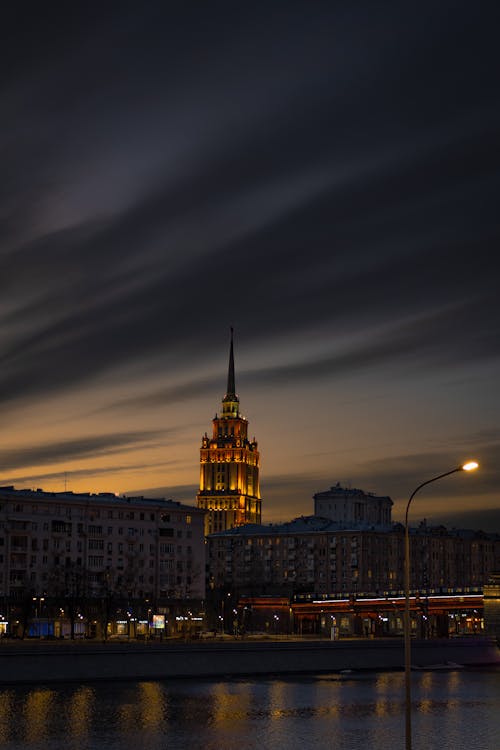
{"type": "Point", "coordinates": [451, 710]}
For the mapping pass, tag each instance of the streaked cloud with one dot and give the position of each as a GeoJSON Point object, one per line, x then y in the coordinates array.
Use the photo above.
{"type": "Point", "coordinates": [324, 180]}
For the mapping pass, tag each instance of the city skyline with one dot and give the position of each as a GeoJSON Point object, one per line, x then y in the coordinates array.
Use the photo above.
{"type": "Point", "coordinates": [324, 181]}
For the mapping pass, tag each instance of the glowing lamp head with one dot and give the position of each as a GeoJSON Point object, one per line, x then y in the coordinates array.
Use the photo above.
{"type": "Point", "coordinates": [470, 466]}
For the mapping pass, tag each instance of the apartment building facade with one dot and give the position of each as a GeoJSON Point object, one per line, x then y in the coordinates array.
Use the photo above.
{"type": "Point", "coordinates": [312, 555]}
{"type": "Point", "coordinates": [58, 543]}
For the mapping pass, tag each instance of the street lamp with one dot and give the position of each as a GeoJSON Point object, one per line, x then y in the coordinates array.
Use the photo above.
{"type": "Point", "coordinates": [469, 466]}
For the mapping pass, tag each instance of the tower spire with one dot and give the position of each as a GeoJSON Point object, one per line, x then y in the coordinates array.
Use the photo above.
{"type": "Point", "coordinates": [229, 465]}
{"type": "Point", "coordinates": [231, 388]}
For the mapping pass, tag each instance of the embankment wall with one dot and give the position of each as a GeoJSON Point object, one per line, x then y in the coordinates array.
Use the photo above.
{"type": "Point", "coordinates": [81, 662]}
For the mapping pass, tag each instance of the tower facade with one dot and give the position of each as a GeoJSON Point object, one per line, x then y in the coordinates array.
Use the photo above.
{"type": "Point", "coordinates": [229, 466]}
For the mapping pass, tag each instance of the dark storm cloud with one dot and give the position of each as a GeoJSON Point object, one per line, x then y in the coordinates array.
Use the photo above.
{"type": "Point", "coordinates": [334, 188]}
{"type": "Point", "coordinates": [437, 340]}
{"type": "Point", "coordinates": [84, 447]}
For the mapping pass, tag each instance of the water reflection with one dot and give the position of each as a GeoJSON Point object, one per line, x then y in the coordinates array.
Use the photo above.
{"type": "Point", "coordinates": [37, 708]}
{"type": "Point", "coordinates": [153, 709]}
{"type": "Point", "coordinates": [355, 711]}
{"type": "Point", "coordinates": [6, 713]}
{"type": "Point", "coordinates": [80, 710]}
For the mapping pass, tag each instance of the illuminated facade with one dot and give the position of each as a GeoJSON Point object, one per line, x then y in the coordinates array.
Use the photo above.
{"type": "Point", "coordinates": [229, 466]}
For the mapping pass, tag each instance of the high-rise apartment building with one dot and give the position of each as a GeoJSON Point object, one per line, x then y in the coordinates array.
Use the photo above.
{"type": "Point", "coordinates": [312, 555]}
{"type": "Point", "coordinates": [229, 466]}
{"type": "Point", "coordinates": [136, 546]}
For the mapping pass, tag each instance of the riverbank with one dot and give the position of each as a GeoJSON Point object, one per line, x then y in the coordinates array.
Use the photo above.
{"type": "Point", "coordinates": [46, 662]}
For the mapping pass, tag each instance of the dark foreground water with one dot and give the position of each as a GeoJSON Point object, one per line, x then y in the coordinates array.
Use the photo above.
{"type": "Point", "coordinates": [451, 711]}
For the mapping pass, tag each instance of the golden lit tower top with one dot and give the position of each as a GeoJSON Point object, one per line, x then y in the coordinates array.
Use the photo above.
{"type": "Point", "coordinates": [229, 466]}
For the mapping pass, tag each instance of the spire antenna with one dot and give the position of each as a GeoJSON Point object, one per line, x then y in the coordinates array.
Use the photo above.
{"type": "Point", "coordinates": [231, 388]}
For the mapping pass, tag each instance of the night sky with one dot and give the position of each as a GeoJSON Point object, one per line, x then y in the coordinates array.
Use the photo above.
{"type": "Point", "coordinates": [323, 176]}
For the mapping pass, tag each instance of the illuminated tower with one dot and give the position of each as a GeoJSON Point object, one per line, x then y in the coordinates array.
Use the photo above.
{"type": "Point", "coordinates": [229, 466]}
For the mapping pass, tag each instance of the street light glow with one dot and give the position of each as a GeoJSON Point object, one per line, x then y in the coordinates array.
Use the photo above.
{"type": "Point", "coordinates": [470, 466]}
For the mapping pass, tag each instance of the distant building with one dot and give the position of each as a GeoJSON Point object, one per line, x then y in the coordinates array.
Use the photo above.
{"type": "Point", "coordinates": [311, 555]}
{"type": "Point", "coordinates": [492, 605]}
{"type": "Point", "coordinates": [141, 548]}
{"type": "Point", "coordinates": [229, 466]}
{"type": "Point", "coordinates": [353, 509]}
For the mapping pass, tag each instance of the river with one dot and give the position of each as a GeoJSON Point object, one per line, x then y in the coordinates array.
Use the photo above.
{"type": "Point", "coordinates": [456, 710]}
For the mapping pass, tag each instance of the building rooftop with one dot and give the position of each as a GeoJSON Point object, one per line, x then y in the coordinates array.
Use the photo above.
{"type": "Point", "coordinates": [350, 492]}
{"type": "Point", "coordinates": [104, 498]}
{"type": "Point", "coordinates": [301, 525]}
{"type": "Point", "coordinates": [315, 524]}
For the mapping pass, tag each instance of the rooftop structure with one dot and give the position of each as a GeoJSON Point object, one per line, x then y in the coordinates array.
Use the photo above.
{"type": "Point", "coordinates": [351, 508]}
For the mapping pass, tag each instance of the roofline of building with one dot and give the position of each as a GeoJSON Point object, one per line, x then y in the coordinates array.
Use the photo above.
{"type": "Point", "coordinates": [104, 498]}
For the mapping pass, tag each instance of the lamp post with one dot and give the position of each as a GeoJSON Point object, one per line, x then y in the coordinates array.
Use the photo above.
{"type": "Point", "coordinates": [38, 613]}
{"type": "Point", "coordinates": [469, 466]}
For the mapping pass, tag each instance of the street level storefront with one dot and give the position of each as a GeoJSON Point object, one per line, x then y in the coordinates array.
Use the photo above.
{"type": "Point", "coordinates": [44, 619]}
{"type": "Point", "coordinates": [433, 616]}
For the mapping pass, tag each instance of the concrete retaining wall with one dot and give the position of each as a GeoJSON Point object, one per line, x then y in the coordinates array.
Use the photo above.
{"type": "Point", "coordinates": [81, 662]}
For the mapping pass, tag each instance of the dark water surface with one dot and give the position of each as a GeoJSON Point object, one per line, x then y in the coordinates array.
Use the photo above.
{"type": "Point", "coordinates": [451, 711]}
